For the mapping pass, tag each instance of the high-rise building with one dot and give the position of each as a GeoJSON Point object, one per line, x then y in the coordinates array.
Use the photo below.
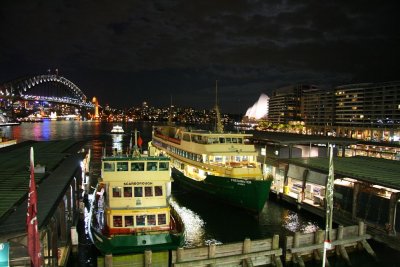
{"type": "Point", "coordinates": [285, 104]}
{"type": "Point", "coordinates": [318, 107]}
{"type": "Point", "coordinates": [373, 105]}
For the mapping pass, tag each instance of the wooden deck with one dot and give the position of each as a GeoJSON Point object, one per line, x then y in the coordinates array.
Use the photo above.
{"type": "Point", "coordinates": [297, 248]}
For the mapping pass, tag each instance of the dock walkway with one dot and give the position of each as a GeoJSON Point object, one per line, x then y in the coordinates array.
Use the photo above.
{"type": "Point", "coordinates": [297, 248]}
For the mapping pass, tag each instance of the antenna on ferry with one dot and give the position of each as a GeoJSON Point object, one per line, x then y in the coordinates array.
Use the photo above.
{"type": "Point", "coordinates": [218, 124]}
{"type": "Point", "coordinates": [135, 151]}
{"type": "Point", "coordinates": [130, 144]}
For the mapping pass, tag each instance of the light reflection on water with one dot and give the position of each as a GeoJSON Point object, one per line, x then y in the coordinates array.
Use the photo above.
{"type": "Point", "coordinates": [293, 223]}
{"type": "Point", "coordinates": [194, 224]}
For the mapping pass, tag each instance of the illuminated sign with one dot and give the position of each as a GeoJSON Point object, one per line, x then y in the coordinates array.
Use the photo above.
{"type": "Point", "coordinates": [4, 254]}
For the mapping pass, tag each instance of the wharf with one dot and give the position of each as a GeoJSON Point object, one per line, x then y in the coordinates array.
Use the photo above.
{"type": "Point", "coordinates": [365, 188]}
{"type": "Point", "coordinates": [297, 248]}
{"type": "Point", "coordinates": [342, 217]}
{"type": "Point", "coordinates": [58, 178]}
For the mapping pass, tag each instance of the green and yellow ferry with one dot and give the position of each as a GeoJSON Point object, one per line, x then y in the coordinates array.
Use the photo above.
{"type": "Point", "coordinates": [130, 207]}
{"type": "Point", "coordinates": [221, 164]}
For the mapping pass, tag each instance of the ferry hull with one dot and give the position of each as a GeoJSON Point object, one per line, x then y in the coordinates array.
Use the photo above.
{"type": "Point", "coordinates": [125, 244]}
{"type": "Point", "coordinates": [250, 195]}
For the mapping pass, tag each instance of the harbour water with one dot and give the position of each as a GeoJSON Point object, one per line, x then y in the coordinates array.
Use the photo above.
{"type": "Point", "coordinates": [206, 221]}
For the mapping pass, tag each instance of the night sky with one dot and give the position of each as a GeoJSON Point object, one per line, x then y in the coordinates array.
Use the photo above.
{"type": "Point", "coordinates": [127, 52]}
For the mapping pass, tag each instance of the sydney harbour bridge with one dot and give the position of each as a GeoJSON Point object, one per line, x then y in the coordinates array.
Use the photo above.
{"type": "Point", "coordinates": [48, 88]}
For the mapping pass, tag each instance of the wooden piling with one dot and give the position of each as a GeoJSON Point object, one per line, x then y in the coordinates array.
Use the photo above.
{"type": "Point", "coordinates": [364, 244]}
{"type": "Point", "coordinates": [319, 239]}
{"type": "Point", "coordinates": [247, 249]}
{"type": "Point", "coordinates": [147, 258]}
{"type": "Point", "coordinates": [275, 245]}
{"type": "Point", "coordinates": [356, 190]}
{"type": "Point", "coordinates": [211, 253]}
{"type": "Point", "coordinates": [340, 249]}
{"type": "Point", "coordinates": [108, 260]}
{"type": "Point", "coordinates": [361, 228]}
{"type": "Point", "coordinates": [297, 256]}
{"type": "Point", "coordinates": [368, 248]}
{"type": "Point", "coordinates": [179, 253]}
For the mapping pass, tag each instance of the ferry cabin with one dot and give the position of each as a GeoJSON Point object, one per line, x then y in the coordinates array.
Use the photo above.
{"type": "Point", "coordinates": [220, 154]}
{"type": "Point", "coordinates": [136, 194]}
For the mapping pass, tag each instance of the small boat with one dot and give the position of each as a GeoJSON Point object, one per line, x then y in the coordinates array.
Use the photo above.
{"type": "Point", "coordinates": [217, 163]}
{"type": "Point", "coordinates": [117, 129]}
{"type": "Point", "coordinates": [130, 206]}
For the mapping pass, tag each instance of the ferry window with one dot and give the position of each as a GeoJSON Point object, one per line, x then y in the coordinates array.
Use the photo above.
{"type": "Point", "coordinates": [186, 137]}
{"type": "Point", "coordinates": [127, 191]}
{"type": "Point", "coordinates": [137, 166]}
{"type": "Point", "coordinates": [138, 191]}
{"type": "Point", "coordinates": [222, 140]}
{"type": "Point", "coordinates": [163, 166]}
{"type": "Point", "coordinates": [122, 166]}
{"type": "Point", "coordinates": [140, 220]}
{"type": "Point", "coordinates": [117, 221]}
{"type": "Point", "coordinates": [212, 140]}
{"type": "Point", "coordinates": [151, 219]}
{"type": "Point", "coordinates": [240, 140]}
{"type": "Point", "coordinates": [218, 159]}
{"type": "Point", "coordinates": [228, 140]}
{"type": "Point", "coordinates": [116, 191]}
{"type": "Point", "coordinates": [234, 140]}
{"type": "Point", "coordinates": [128, 221]}
{"type": "Point", "coordinates": [161, 219]}
{"type": "Point", "coordinates": [158, 191]}
{"type": "Point", "coordinates": [109, 166]}
{"type": "Point", "coordinates": [148, 191]}
{"type": "Point", "coordinates": [151, 166]}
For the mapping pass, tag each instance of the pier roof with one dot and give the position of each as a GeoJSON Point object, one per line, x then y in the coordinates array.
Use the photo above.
{"type": "Point", "coordinates": [376, 171]}
{"type": "Point", "coordinates": [60, 164]}
{"type": "Point", "coordinates": [296, 139]}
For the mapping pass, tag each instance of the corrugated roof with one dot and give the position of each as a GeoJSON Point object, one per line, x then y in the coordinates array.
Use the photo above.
{"type": "Point", "coordinates": [377, 171]}
{"type": "Point", "coordinates": [14, 170]}
{"type": "Point", "coordinates": [50, 193]}
{"type": "Point", "coordinates": [290, 138]}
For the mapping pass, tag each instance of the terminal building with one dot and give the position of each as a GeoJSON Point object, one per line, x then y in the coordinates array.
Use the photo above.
{"type": "Point", "coordinates": [367, 111]}
{"type": "Point", "coordinates": [365, 188]}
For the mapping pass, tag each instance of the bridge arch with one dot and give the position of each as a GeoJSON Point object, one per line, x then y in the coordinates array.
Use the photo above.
{"type": "Point", "coordinates": [20, 88]}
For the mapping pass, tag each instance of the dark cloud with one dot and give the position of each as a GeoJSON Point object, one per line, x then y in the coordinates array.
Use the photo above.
{"type": "Point", "coordinates": [125, 52]}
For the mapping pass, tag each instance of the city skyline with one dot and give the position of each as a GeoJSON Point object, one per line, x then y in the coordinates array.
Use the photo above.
{"type": "Point", "coordinates": [131, 52]}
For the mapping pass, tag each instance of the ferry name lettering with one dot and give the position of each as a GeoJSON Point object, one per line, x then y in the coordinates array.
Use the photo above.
{"type": "Point", "coordinates": [138, 183]}
{"type": "Point", "coordinates": [242, 182]}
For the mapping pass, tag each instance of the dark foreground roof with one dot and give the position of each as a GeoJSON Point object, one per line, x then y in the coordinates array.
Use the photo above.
{"type": "Point", "coordinates": [60, 162]}
{"type": "Point", "coordinates": [377, 171]}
